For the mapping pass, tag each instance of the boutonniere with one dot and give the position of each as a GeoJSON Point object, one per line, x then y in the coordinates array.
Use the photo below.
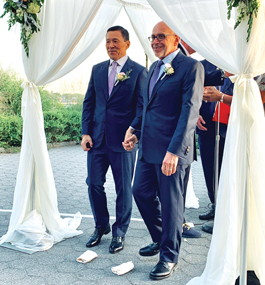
{"type": "Point", "coordinates": [169, 70]}
{"type": "Point", "coordinates": [122, 76]}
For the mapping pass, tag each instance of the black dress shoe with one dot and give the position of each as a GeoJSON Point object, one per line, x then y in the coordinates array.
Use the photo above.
{"type": "Point", "coordinates": [209, 215]}
{"type": "Point", "coordinates": [162, 270]}
{"type": "Point", "coordinates": [208, 227]}
{"type": "Point", "coordinates": [150, 250]}
{"type": "Point", "coordinates": [95, 238]}
{"type": "Point", "coordinates": [117, 244]}
{"type": "Point", "coordinates": [252, 278]}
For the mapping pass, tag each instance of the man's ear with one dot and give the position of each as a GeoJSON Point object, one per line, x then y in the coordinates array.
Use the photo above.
{"type": "Point", "coordinates": [128, 43]}
{"type": "Point", "coordinates": [177, 40]}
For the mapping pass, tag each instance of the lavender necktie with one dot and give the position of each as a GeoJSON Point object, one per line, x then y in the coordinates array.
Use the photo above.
{"type": "Point", "coordinates": [154, 77]}
{"type": "Point", "coordinates": [112, 76]}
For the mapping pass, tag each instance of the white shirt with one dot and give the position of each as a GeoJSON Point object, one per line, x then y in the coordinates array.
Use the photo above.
{"type": "Point", "coordinates": [167, 59]}
{"type": "Point", "coordinates": [120, 62]}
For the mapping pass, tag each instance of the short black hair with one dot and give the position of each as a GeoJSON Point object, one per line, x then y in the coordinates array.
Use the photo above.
{"type": "Point", "coordinates": [124, 32]}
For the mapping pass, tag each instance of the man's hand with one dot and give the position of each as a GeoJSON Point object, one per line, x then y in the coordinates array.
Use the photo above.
{"type": "Point", "coordinates": [129, 140]}
{"type": "Point", "coordinates": [211, 94]}
{"type": "Point", "coordinates": [86, 140]}
{"type": "Point", "coordinates": [200, 122]}
{"type": "Point", "coordinates": [170, 163]}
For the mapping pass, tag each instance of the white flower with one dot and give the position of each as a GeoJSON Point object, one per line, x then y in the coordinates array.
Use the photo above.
{"type": "Point", "coordinates": [169, 70]}
{"type": "Point", "coordinates": [122, 76]}
{"type": "Point", "coordinates": [33, 8]}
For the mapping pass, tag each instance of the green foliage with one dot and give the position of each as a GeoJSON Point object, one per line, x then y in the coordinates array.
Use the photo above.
{"type": "Point", "coordinates": [49, 100]}
{"type": "Point", "coordinates": [10, 92]}
{"type": "Point", "coordinates": [245, 9]}
{"type": "Point", "coordinates": [62, 123]}
{"type": "Point", "coordinates": [10, 131]}
{"type": "Point", "coordinates": [24, 13]}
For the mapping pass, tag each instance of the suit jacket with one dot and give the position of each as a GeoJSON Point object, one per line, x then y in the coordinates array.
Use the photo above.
{"type": "Point", "coordinates": [213, 76]}
{"type": "Point", "coordinates": [170, 116]}
{"type": "Point", "coordinates": [207, 109]}
{"type": "Point", "coordinates": [107, 116]}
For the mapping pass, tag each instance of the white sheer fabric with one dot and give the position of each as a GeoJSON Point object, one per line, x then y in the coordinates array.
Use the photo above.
{"type": "Point", "coordinates": [204, 25]}
{"type": "Point", "coordinates": [143, 18]}
{"type": "Point", "coordinates": [35, 223]}
{"type": "Point", "coordinates": [191, 200]}
{"type": "Point", "coordinates": [94, 34]}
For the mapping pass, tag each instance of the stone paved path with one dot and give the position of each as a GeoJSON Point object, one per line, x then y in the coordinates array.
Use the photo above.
{"type": "Point", "coordinates": [58, 265]}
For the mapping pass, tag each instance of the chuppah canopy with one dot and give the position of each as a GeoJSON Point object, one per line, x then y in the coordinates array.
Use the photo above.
{"type": "Point", "coordinates": [63, 45]}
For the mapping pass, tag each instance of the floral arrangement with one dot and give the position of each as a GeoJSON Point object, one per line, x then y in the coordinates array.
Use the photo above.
{"type": "Point", "coordinates": [169, 70]}
{"type": "Point", "coordinates": [246, 9]}
{"type": "Point", "coordinates": [25, 13]}
{"type": "Point", "coordinates": [122, 76]}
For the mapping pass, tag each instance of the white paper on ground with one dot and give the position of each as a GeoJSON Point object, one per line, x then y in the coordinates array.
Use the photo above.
{"type": "Point", "coordinates": [123, 268]}
{"type": "Point", "coordinates": [87, 256]}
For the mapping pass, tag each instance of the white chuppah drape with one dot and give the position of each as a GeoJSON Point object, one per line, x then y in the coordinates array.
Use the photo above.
{"type": "Point", "coordinates": [204, 26]}
{"type": "Point", "coordinates": [143, 18]}
{"type": "Point", "coordinates": [35, 222]}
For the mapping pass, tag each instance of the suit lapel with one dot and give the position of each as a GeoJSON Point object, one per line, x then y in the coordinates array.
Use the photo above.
{"type": "Point", "coordinates": [163, 78]}
{"type": "Point", "coordinates": [103, 77]}
{"type": "Point", "coordinates": [127, 67]}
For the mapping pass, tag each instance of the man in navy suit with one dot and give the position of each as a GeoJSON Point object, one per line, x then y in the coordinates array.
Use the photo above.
{"type": "Point", "coordinates": [112, 103]}
{"type": "Point", "coordinates": [206, 127]}
{"type": "Point", "coordinates": [172, 99]}
{"type": "Point", "coordinates": [206, 130]}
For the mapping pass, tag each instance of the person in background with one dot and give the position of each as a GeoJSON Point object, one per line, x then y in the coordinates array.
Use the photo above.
{"type": "Point", "coordinates": [206, 137]}
{"type": "Point", "coordinates": [206, 130]}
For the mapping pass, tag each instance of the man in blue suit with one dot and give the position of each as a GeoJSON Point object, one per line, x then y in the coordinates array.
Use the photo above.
{"type": "Point", "coordinates": [206, 127]}
{"type": "Point", "coordinates": [172, 99]}
{"type": "Point", "coordinates": [206, 130]}
{"type": "Point", "coordinates": [112, 103]}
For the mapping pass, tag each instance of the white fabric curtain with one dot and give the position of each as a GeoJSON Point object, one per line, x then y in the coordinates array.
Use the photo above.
{"type": "Point", "coordinates": [35, 223]}
{"type": "Point", "coordinates": [143, 18]}
{"type": "Point", "coordinates": [93, 36]}
{"type": "Point", "coordinates": [191, 200]}
{"type": "Point", "coordinates": [204, 26]}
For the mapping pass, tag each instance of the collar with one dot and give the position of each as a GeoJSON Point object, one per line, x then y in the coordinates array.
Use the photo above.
{"type": "Point", "coordinates": [121, 61]}
{"type": "Point", "coordinates": [170, 57]}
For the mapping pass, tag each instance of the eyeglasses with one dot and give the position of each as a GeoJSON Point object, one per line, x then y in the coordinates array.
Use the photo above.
{"type": "Point", "coordinates": [159, 37]}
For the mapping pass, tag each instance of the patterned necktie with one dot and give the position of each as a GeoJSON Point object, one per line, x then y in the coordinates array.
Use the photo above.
{"type": "Point", "coordinates": [154, 77]}
{"type": "Point", "coordinates": [112, 76]}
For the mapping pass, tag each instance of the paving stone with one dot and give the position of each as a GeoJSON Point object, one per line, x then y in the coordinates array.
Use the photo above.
{"type": "Point", "coordinates": [12, 275]}
{"type": "Point", "coordinates": [58, 265]}
{"type": "Point", "coordinates": [31, 281]}
{"type": "Point", "coordinates": [41, 270]}
{"type": "Point", "coordinates": [55, 278]}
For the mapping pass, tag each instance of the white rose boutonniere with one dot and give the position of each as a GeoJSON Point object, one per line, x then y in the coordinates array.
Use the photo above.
{"type": "Point", "coordinates": [169, 70]}
{"type": "Point", "coordinates": [122, 76]}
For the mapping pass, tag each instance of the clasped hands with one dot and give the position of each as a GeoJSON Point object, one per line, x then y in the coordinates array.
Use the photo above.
{"type": "Point", "coordinates": [211, 94]}
{"type": "Point", "coordinates": [170, 162]}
